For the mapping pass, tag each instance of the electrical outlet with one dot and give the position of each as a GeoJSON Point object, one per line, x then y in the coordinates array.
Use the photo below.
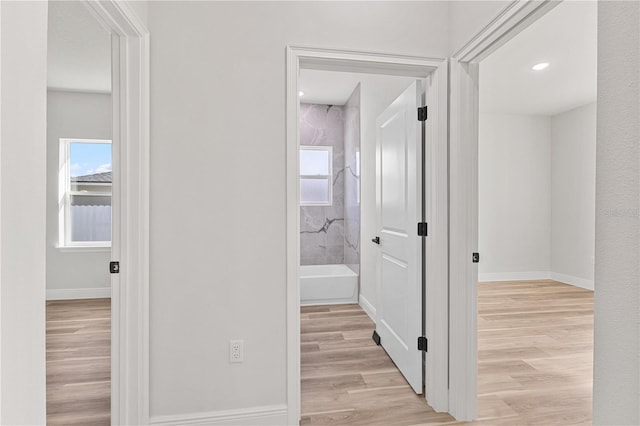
{"type": "Point", "coordinates": [236, 351]}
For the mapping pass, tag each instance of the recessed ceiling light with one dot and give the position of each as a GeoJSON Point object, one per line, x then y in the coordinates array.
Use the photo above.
{"type": "Point", "coordinates": [540, 66]}
{"type": "Point", "coordinates": [301, 93]}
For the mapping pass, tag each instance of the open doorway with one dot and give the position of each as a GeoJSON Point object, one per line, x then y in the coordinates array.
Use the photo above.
{"type": "Point", "coordinates": [536, 176]}
{"type": "Point", "coordinates": [129, 263]}
{"type": "Point", "coordinates": [80, 129]}
{"type": "Point", "coordinates": [339, 295]}
{"type": "Point", "coordinates": [363, 66]}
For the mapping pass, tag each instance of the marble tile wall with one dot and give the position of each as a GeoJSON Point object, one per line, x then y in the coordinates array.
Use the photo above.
{"type": "Point", "coordinates": [322, 228]}
{"type": "Point", "coordinates": [352, 181]}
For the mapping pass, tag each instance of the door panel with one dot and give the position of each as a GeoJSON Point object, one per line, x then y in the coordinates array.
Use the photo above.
{"type": "Point", "coordinates": [393, 180]}
{"type": "Point", "coordinates": [399, 314]}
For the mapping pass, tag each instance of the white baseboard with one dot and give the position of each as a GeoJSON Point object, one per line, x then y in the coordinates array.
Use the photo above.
{"type": "Point", "coordinates": [324, 302]}
{"type": "Point", "coordinates": [272, 415]}
{"type": "Point", "coordinates": [514, 276]}
{"type": "Point", "coordinates": [367, 307]}
{"type": "Point", "coordinates": [78, 293]}
{"type": "Point", "coordinates": [536, 275]}
{"type": "Point", "coordinates": [575, 281]}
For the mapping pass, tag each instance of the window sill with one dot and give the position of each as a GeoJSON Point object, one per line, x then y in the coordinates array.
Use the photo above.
{"type": "Point", "coordinates": [84, 249]}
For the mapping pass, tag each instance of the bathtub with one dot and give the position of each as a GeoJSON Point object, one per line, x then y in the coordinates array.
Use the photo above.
{"type": "Point", "coordinates": [327, 285]}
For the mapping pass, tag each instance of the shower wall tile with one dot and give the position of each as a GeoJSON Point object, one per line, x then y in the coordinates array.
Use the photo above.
{"type": "Point", "coordinates": [322, 228]}
{"type": "Point", "coordinates": [352, 181]}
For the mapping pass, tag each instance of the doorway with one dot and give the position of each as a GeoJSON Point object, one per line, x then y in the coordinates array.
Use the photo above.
{"type": "Point", "coordinates": [464, 73]}
{"type": "Point", "coordinates": [432, 71]}
{"type": "Point", "coordinates": [80, 130]}
{"type": "Point", "coordinates": [129, 53]}
{"type": "Point", "coordinates": [336, 109]}
{"type": "Point", "coordinates": [536, 159]}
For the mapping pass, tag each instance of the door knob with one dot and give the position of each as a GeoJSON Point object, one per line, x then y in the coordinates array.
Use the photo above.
{"type": "Point", "coordinates": [376, 240]}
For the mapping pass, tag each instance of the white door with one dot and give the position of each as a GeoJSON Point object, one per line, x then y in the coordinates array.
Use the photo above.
{"type": "Point", "coordinates": [399, 184]}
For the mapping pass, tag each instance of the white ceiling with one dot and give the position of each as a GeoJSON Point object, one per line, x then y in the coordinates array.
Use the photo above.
{"type": "Point", "coordinates": [79, 51]}
{"type": "Point", "coordinates": [326, 87]}
{"type": "Point", "coordinates": [335, 87]}
{"type": "Point", "coordinates": [566, 37]}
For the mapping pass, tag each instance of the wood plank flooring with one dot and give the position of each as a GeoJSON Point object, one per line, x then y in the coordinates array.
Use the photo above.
{"type": "Point", "coordinates": [535, 352]}
{"type": "Point", "coordinates": [534, 362]}
{"type": "Point", "coordinates": [534, 349]}
{"type": "Point", "coordinates": [79, 362]}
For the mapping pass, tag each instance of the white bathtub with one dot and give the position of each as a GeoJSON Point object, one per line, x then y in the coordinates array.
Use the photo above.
{"type": "Point", "coordinates": [327, 285]}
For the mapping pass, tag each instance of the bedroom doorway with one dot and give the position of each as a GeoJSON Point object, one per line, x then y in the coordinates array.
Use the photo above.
{"type": "Point", "coordinates": [536, 177]}
{"type": "Point", "coordinates": [465, 79]}
{"type": "Point", "coordinates": [81, 195]}
{"type": "Point", "coordinates": [80, 172]}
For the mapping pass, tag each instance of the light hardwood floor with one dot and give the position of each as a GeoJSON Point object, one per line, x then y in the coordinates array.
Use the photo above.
{"type": "Point", "coordinates": [534, 349]}
{"type": "Point", "coordinates": [534, 362]}
{"type": "Point", "coordinates": [78, 362]}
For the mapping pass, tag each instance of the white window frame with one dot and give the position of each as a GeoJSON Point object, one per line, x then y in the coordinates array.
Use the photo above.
{"type": "Point", "coordinates": [65, 193]}
{"type": "Point", "coordinates": [329, 177]}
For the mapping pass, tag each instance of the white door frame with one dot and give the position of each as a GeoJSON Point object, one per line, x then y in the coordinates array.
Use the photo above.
{"type": "Point", "coordinates": [130, 213]}
{"type": "Point", "coordinates": [437, 359]}
{"type": "Point", "coordinates": [463, 193]}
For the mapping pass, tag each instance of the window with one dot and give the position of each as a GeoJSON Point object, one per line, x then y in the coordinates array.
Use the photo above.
{"type": "Point", "coordinates": [84, 202]}
{"type": "Point", "coordinates": [316, 175]}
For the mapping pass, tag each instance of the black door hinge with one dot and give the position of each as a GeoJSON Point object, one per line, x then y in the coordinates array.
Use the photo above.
{"type": "Point", "coordinates": [422, 229]}
{"type": "Point", "coordinates": [422, 113]}
{"type": "Point", "coordinates": [376, 337]}
{"type": "Point", "coordinates": [423, 343]}
{"type": "Point", "coordinates": [114, 267]}
{"type": "Point", "coordinates": [475, 257]}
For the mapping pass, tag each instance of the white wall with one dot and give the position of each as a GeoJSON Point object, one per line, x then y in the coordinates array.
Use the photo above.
{"type": "Point", "coordinates": [537, 196]}
{"type": "Point", "coordinates": [616, 386]}
{"type": "Point", "coordinates": [22, 220]}
{"type": "Point", "coordinates": [218, 119]}
{"type": "Point", "coordinates": [514, 197]}
{"type": "Point", "coordinates": [573, 186]}
{"type": "Point", "coordinates": [468, 18]}
{"type": "Point", "coordinates": [81, 272]}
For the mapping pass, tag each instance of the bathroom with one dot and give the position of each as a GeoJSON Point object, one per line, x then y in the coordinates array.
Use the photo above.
{"type": "Point", "coordinates": [338, 210]}
{"type": "Point", "coordinates": [330, 201]}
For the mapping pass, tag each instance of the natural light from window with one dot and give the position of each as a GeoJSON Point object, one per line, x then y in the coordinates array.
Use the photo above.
{"type": "Point", "coordinates": [316, 175]}
{"type": "Point", "coordinates": [85, 183]}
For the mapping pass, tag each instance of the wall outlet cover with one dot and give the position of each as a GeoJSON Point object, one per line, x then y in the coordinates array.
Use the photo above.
{"type": "Point", "coordinates": [236, 351]}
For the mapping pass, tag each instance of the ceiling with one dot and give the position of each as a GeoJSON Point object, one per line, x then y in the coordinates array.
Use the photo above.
{"type": "Point", "coordinates": [335, 87]}
{"type": "Point", "coordinates": [79, 51]}
{"type": "Point", "coordinates": [326, 87]}
{"type": "Point", "coordinates": [566, 37]}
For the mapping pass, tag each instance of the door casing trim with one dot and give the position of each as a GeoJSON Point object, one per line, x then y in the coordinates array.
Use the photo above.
{"type": "Point", "coordinates": [130, 213]}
